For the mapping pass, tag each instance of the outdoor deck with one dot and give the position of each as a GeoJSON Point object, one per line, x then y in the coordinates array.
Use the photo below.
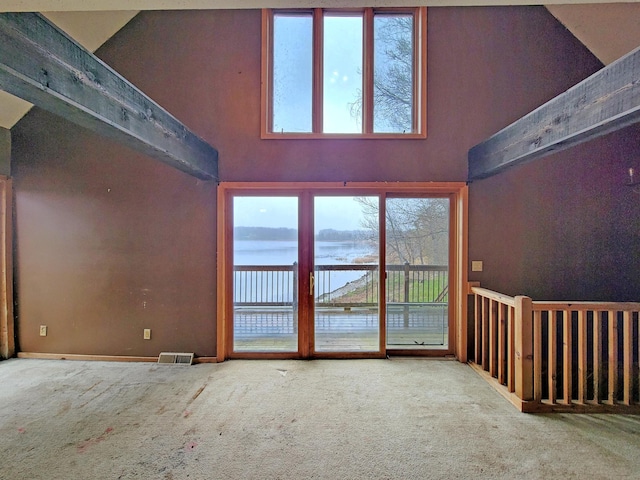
{"type": "Point", "coordinates": [259, 329]}
{"type": "Point", "coordinates": [346, 307]}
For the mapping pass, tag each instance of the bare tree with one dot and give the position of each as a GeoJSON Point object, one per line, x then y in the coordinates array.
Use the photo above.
{"type": "Point", "coordinates": [417, 229]}
{"type": "Point", "coordinates": [393, 75]}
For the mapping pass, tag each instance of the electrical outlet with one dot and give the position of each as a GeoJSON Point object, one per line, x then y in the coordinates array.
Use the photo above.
{"type": "Point", "coordinates": [146, 334]}
{"type": "Point", "coordinates": [476, 266]}
{"type": "Point", "coordinates": [43, 330]}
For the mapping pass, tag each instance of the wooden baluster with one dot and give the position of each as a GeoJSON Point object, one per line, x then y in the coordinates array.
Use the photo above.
{"type": "Point", "coordinates": [485, 333]}
{"type": "Point", "coordinates": [567, 364]}
{"type": "Point", "coordinates": [638, 345]}
{"type": "Point", "coordinates": [582, 356]}
{"type": "Point", "coordinates": [597, 355]}
{"type": "Point", "coordinates": [493, 320]}
{"type": "Point", "coordinates": [510, 350]}
{"type": "Point", "coordinates": [627, 358]}
{"type": "Point", "coordinates": [501, 343]}
{"type": "Point", "coordinates": [613, 357]}
{"type": "Point", "coordinates": [477, 314]}
{"type": "Point", "coordinates": [537, 355]}
{"type": "Point", "coordinates": [552, 360]}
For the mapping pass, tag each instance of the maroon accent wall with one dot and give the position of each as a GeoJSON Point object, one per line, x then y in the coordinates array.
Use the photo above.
{"type": "Point", "coordinates": [486, 68]}
{"type": "Point", "coordinates": [565, 227]}
{"type": "Point", "coordinates": [108, 243]}
{"type": "Point", "coordinates": [98, 265]}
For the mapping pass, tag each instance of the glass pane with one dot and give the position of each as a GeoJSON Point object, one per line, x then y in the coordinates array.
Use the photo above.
{"type": "Point", "coordinates": [417, 273]}
{"type": "Point", "coordinates": [292, 73]}
{"type": "Point", "coordinates": [346, 274]}
{"type": "Point", "coordinates": [342, 96]}
{"type": "Point", "coordinates": [265, 278]}
{"type": "Point", "coordinates": [393, 73]}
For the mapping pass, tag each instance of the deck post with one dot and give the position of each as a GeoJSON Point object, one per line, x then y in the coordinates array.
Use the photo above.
{"type": "Point", "coordinates": [295, 298]}
{"type": "Point", "coordinates": [523, 333]}
{"type": "Point", "coordinates": [406, 295]}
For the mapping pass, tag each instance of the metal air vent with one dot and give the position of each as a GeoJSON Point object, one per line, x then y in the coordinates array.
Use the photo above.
{"type": "Point", "coordinates": [176, 358]}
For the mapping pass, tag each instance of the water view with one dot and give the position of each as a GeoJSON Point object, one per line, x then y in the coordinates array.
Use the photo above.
{"type": "Point", "coordinates": [255, 252]}
{"type": "Point", "coordinates": [345, 274]}
{"type": "Point", "coordinates": [273, 252]}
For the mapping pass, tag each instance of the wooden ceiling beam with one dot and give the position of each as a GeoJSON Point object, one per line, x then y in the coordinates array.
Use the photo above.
{"type": "Point", "coordinates": [605, 102]}
{"type": "Point", "coordinates": [41, 64]}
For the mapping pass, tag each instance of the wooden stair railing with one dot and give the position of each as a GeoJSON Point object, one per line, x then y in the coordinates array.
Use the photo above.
{"type": "Point", "coordinates": [558, 356]}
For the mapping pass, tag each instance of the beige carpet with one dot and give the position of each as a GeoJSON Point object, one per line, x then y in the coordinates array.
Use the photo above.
{"type": "Point", "coordinates": [347, 419]}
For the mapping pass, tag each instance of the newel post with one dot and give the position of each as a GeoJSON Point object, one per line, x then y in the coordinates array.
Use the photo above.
{"type": "Point", "coordinates": [523, 338]}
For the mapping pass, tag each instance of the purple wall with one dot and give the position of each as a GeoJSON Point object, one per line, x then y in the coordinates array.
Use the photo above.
{"type": "Point", "coordinates": [109, 242]}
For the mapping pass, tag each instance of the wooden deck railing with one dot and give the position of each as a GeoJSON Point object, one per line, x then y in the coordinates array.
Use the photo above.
{"type": "Point", "coordinates": [277, 285]}
{"type": "Point", "coordinates": [265, 285]}
{"type": "Point", "coordinates": [558, 356]}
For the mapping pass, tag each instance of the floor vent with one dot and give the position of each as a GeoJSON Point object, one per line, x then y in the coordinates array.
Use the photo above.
{"type": "Point", "coordinates": [176, 358]}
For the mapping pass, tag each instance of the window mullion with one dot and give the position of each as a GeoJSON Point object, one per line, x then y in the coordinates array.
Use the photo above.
{"type": "Point", "coordinates": [267, 72]}
{"type": "Point", "coordinates": [367, 76]}
{"type": "Point", "coordinates": [318, 69]}
{"type": "Point", "coordinates": [307, 119]}
{"type": "Point", "coordinates": [420, 70]}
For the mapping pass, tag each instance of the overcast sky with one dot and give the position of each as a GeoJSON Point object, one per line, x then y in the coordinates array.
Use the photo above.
{"type": "Point", "coordinates": [339, 213]}
{"type": "Point", "coordinates": [292, 72]}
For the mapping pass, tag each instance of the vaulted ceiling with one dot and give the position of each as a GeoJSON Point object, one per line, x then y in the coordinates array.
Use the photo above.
{"type": "Point", "coordinates": [608, 29]}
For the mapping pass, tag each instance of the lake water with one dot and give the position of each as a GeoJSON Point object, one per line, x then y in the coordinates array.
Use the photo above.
{"type": "Point", "coordinates": [251, 252]}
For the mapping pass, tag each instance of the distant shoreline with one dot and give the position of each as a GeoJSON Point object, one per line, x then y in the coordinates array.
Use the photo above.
{"type": "Point", "coordinates": [291, 234]}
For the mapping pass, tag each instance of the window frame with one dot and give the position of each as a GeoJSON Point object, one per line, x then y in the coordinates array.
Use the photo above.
{"type": "Point", "coordinates": [419, 129]}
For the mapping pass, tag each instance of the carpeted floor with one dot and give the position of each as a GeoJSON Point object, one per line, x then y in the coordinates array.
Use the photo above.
{"type": "Point", "coordinates": [324, 419]}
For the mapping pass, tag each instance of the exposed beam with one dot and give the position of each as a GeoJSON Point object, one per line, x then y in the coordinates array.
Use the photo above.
{"type": "Point", "coordinates": [41, 64]}
{"type": "Point", "coordinates": [606, 101]}
{"type": "Point", "coordinates": [95, 5]}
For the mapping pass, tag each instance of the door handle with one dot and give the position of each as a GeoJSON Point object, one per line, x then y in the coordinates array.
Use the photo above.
{"type": "Point", "coordinates": [311, 283]}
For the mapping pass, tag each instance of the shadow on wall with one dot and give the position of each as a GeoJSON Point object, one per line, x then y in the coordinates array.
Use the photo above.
{"type": "Point", "coordinates": [563, 227]}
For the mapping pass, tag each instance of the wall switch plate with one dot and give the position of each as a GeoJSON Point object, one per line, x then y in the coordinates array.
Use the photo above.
{"type": "Point", "coordinates": [43, 330]}
{"type": "Point", "coordinates": [476, 266]}
{"type": "Point", "coordinates": [146, 334]}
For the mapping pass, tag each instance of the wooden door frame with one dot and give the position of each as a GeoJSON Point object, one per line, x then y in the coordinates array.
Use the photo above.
{"type": "Point", "coordinates": [7, 322]}
{"type": "Point", "coordinates": [331, 191]}
{"type": "Point", "coordinates": [457, 191]}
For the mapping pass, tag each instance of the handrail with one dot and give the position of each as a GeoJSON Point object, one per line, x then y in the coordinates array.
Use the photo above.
{"type": "Point", "coordinates": [351, 267]}
{"type": "Point", "coordinates": [576, 356]}
{"type": "Point", "coordinates": [417, 268]}
{"type": "Point", "coordinates": [579, 306]}
{"type": "Point", "coordinates": [264, 268]}
{"type": "Point", "coordinates": [491, 295]}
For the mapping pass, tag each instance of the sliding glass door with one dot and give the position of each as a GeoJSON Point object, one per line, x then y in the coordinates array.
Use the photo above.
{"type": "Point", "coordinates": [317, 272]}
{"type": "Point", "coordinates": [417, 264]}
{"type": "Point", "coordinates": [265, 274]}
{"type": "Point", "coordinates": [346, 274]}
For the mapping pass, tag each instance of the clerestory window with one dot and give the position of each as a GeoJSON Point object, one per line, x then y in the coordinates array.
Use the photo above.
{"type": "Point", "coordinates": [342, 73]}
